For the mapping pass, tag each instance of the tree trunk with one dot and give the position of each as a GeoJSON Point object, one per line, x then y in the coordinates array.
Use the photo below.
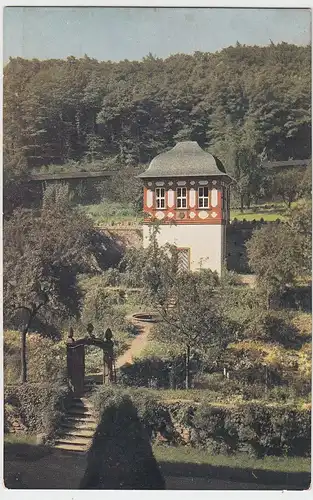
{"type": "Point", "coordinates": [187, 368]}
{"type": "Point", "coordinates": [23, 357]}
{"type": "Point", "coordinates": [248, 201]}
{"type": "Point", "coordinates": [241, 203]}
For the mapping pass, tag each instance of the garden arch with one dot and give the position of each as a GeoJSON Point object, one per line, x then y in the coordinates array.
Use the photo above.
{"type": "Point", "coordinates": [76, 359]}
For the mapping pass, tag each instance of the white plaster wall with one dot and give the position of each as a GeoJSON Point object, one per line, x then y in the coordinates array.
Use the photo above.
{"type": "Point", "coordinates": [206, 243]}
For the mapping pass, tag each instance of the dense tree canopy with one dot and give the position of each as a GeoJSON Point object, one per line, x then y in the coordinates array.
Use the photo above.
{"type": "Point", "coordinates": [74, 109]}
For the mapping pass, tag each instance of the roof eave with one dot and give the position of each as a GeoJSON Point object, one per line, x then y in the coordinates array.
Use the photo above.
{"type": "Point", "coordinates": [158, 176]}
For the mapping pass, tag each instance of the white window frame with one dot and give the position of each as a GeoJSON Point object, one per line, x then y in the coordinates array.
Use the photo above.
{"type": "Point", "coordinates": [203, 197]}
{"type": "Point", "coordinates": [180, 198]}
{"type": "Point", "coordinates": [160, 198]}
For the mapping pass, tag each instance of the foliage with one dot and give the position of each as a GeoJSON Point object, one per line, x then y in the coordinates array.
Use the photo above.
{"type": "Point", "coordinates": [108, 212]}
{"type": "Point", "coordinates": [245, 103]}
{"type": "Point", "coordinates": [16, 192]}
{"type": "Point", "coordinates": [124, 188]}
{"type": "Point", "coordinates": [120, 456]}
{"type": "Point", "coordinates": [44, 251]}
{"type": "Point", "coordinates": [288, 185]}
{"type": "Point", "coordinates": [270, 326]}
{"type": "Point", "coordinates": [259, 428]}
{"type": "Point", "coordinates": [104, 308]}
{"type": "Point", "coordinates": [40, 407]}
{"type": "Point", "coordinates": [46, 358]}
{"type": "Point", "coordinates": [301, 224]}
{"type": "Point", "coordinates": [256, 361]}
{"type": "Point", "coordinates": [276, 256]}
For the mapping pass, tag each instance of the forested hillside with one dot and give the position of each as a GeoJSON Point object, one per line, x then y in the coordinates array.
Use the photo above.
{"type": "Point", "coordinates": [243, 100]}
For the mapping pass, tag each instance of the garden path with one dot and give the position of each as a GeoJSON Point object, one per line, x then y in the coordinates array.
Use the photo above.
{"type": "Point", "coordinates": [137, 345]}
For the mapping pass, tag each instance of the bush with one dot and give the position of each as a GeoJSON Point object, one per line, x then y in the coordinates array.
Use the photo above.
{"type": "Point", "coordinates": [258, 429]}
{"type": "Point", "coordinates": [271, 326]}
{"type": "Point", "coordinates": [46, 359]}
{"type": "Point", "coordinates": [209, 430]}
{"type": "Point", "coordinates": [40, 407]}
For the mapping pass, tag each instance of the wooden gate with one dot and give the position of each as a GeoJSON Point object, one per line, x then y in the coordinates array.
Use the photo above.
{"type": "Point", "coordinates": [76, 366]}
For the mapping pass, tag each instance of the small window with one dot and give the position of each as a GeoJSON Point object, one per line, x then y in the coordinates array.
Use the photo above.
{"type": "Point", "coordinates": [203, 197]}
{"type": "Point", "coordinates": [181, 198]}
{"type": "Point", "coordinates": [160, 197]}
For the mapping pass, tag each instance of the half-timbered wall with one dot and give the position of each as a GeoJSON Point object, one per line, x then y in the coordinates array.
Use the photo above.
{"type": "Point", "coordinates": [191, 212]}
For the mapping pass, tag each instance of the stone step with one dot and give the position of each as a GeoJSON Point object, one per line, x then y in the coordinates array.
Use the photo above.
{"type": "Point", "coordinates": [71, 448]}
{"type": "Point", "coordinates": [86, 419]}
{"type": "Point", "coordinates": [80, 411]}
{"type": "Point", "coordinates": [73, 440]}
{"type": "Point", "coordinates": [79, 425]}
{"type": "Point", "coordinates": [81, 405]}
{"type": "Point", "coordinates": [84, 433]}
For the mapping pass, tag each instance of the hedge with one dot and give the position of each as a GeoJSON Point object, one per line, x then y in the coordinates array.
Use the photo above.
{"type": "Point", "coordinates": [255, 428]}
{"type": "Point", "coordinates": [39, 407]}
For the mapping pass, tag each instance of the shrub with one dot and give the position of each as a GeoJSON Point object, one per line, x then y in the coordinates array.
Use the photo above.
{"type": "Point", "coordinates": [208, 424]}
{"type": "Point", "coordinates": [46, 359]}
{"type": "Point", "coordinates": [40, 407]}
{"type": "Point", "coordinates": [254, 428]}
{"type": "Point", "coordinates": [271, 326]}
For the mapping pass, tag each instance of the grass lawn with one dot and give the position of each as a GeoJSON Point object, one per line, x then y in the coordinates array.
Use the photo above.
{"type": "Point", "coordinates": [251, 215]}
{"type": "Point", "coordinates": [217, 398]}
{"type": "Point", "coordinates": [186, 454]}
{"type": "Point", "coordinates": [108, 212]}
{"type": "Point", "coordinates": [269, 211]}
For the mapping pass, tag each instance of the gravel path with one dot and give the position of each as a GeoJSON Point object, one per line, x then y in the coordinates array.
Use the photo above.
{"type": "Point", "coordinates": [137, 345]}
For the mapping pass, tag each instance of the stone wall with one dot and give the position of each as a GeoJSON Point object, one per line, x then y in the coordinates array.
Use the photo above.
{"type": "Point", "coordinates": [237, 235]}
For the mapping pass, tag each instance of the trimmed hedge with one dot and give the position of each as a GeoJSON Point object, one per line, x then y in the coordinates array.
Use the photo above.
{"type": "Point", "coordinates": [40, 407]}
{"type": "Point", "coordinates": [254, 428]}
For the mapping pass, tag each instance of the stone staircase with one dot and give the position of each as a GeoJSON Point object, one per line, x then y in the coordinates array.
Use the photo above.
{"type": "Point", "coordinates": [78, 426]}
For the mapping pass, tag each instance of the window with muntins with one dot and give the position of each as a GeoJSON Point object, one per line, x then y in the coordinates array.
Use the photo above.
{"type": "Point", "coordinates": [181, 198]}
{"type": "Point", "coordinates": [203, 197]}
{"type": "Point", "coordinates": [160, 198]}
